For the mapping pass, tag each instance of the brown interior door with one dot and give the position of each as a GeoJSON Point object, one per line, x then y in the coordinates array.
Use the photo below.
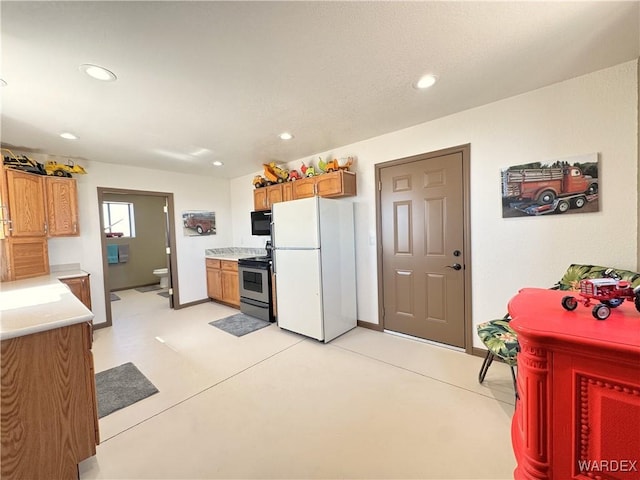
{"type": "Point", "coordinates": [422, 223]}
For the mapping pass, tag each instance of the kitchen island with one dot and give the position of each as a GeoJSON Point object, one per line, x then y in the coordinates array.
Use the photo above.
{"type": "Point", "coordinates": [48, 404]}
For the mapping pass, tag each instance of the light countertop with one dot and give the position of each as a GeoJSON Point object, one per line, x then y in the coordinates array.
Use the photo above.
{"type": "Point", "coordinates": [38, 304]}
{"type": "Point", "coordinates": [230, 256]}
{"type": "Point", "coordinates": [234, 253]}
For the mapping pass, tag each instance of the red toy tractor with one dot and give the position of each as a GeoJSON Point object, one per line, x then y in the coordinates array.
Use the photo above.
{"type": "Point", "coordinates": [610, 292]}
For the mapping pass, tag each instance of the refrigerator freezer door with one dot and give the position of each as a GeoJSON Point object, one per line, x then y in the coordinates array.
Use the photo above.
{"type": "Point", "coordinates": [295, 224]}
{"type": "Point", "coordinates": [299, 292]}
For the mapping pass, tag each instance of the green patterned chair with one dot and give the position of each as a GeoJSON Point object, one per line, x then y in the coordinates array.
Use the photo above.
{"type": "Point", "coordinates": [502, 341]}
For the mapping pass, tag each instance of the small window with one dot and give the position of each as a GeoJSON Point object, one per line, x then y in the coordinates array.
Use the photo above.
{"type": "Point", "coordinates": [118, 219]}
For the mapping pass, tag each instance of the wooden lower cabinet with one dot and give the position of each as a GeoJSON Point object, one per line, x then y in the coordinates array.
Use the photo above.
{"type": "Point", "coordinates": [48, 413]}
{"type": "Point", "coordinates": [80, 287]}
{"type": "Point", "coordinates": [214, 279]}
{"type": "Point", "coordinates": [222, 281]}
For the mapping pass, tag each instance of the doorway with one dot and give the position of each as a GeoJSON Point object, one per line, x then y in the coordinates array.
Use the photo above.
{"type": "Point", "coordinates": [165, 229]}
{"type": "Point", "coordinates": [424, 261]}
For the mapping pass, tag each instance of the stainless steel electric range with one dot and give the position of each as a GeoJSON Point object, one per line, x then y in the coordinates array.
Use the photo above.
{"type": "Point", "coordinates": [254, 276]}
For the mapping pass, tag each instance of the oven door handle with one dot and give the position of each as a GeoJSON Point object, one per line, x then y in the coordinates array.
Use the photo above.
{"type": "Point", "coordinates": [255, 303]}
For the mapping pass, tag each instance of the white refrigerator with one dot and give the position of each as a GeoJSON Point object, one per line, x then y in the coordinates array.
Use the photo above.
{"type": "Point", "coordinates": [315, 266]}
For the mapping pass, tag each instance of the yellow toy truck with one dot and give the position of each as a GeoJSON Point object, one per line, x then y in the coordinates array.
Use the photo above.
{"type": "Point", "coordinates": [63, 170]}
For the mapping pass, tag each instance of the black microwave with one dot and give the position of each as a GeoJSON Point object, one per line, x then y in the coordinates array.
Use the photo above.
{"type": "Point", "coordinates": [261, 223]}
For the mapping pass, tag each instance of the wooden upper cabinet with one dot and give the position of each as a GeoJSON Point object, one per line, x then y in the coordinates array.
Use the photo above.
{"type": "Point", "coordinates": [26, 198]}
{"type": "Point", "coordinates": [333, 184]}
{"type": "Point", "coordinates": [260, 199]}
{"type": "Point", "coordinates": [23, 257]}
{"type": "Point", "coordinates": [336, 184]}
{"type": "Point", "coordinates": [265, 197]}
{"type": "Point", "coordinates": [62, 207]}
{"type": "Point", "coordinates": [287, 191]}
{"type": "Point", "coordinates": [304, 188]}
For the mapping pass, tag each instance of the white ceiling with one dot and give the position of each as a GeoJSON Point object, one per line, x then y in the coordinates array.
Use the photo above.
{"type": "Point", "coordinates": [204, 81]}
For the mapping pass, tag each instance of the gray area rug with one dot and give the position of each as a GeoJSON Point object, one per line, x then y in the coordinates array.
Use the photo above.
{"type": "Point", "coordinates": [114, 297]}
{"type": "Point", "coordinates": [163, 294]}
{"type": "Point", "coordinates": [120, 387]}
{"type": "Point", "coordinates": [239, 324]}
{"type": "Point", "coordinates": [148, 288]}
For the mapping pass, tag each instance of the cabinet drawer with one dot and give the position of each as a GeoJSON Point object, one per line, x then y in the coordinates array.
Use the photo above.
{"type": "Point", "coordinates": [213, 263]}
{"type": "Point", "coordinates": [231, 265]}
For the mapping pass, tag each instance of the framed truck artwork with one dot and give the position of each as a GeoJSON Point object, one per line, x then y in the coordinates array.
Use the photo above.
{"type": "Point", "coordinates": [198, 222]}
{"type": "Point", "coordinates": [564, 186]}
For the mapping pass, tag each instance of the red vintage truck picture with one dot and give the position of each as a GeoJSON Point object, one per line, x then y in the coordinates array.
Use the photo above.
{"type": "Point", "coordinates": [543, 189]}
{"type": "Point", "coordinates": [202, 222]}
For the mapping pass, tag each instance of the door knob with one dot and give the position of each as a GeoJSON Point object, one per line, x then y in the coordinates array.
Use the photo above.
{"type": "Point", "coordinates": [455, 266]}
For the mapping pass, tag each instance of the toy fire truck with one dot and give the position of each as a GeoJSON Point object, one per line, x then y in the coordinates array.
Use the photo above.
{"type": "Point", "coordinates": [610, 292]}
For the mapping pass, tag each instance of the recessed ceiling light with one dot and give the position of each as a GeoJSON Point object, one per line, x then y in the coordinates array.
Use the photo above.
{"type": "Point", "coordinates": [217, 163]}
{"type": "Point", "coordinates": [285, 136]}
{"type": "Point", "coordinates": [68, 136]}
{"type": "Point", "coordinates": [2, 82]}
{"type": "Point", "coordinates": [426, 82]}
{"type": "Point", "coordinates": [97, 72]}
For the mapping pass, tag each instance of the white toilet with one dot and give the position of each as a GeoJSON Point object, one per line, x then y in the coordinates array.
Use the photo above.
{"type": "Point", "coordinates": [163, 273]}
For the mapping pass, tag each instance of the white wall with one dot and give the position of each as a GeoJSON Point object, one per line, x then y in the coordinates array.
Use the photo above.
{"type": "Point", "coordinates": [592, 113]}
{"type": "Point", "coordinates": [190, 192]}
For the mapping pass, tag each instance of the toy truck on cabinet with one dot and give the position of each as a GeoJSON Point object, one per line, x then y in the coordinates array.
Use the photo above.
{"type": "Point", "coordinates": [544, 185]}
{"type": "Point", "coordinates": [609, 292]}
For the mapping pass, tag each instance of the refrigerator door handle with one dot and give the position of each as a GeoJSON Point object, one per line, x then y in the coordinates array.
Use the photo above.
{"type": "Point", "coordinates": [273, 246]}
{"type": "Point", "coordinates": [273, 233]}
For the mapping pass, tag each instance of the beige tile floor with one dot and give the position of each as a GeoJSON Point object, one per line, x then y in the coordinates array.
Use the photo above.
{"type": "Point", "coordinates": [276, 405]}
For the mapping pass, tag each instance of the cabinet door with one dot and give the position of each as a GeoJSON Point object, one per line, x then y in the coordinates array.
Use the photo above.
{"type": "Point", "coordinates": [26, 204]}
{"type": "Point", "coordinates": [230, 287]}
{"type": "Point", "coordinates": [274, 194]}
{"type": "Point", "coordinates": [329, 184]}
{"type": "Point", "coordinates": [80, 287]}
{"type": "Point", "coordinates": [287, 191]}
{"type": "Point", "coordinates": [62, 207]}
{"type": "Point", "coordinates": [260, 199]}
{"type": "Point", "coordinates": [336, 184]}
{"type": "Point", "coordinates": [91, 381]}
{"type": "Point", "coordinates": [26, 257]}
{"type": "Point", "coordinates": [45, 387]}
{"type": "Point", "coordinates": [214, 283]}
{"type": "Point", "coordinates": [304, 188]}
